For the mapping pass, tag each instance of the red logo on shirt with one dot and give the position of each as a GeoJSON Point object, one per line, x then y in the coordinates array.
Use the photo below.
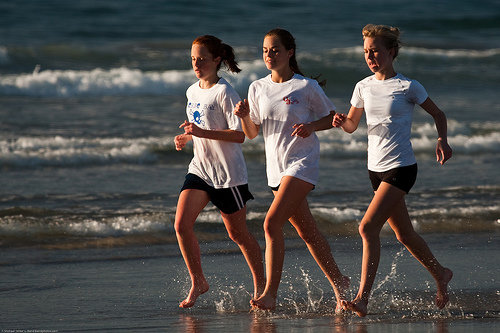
{"type": "Point", "coordinates": [290, 100]}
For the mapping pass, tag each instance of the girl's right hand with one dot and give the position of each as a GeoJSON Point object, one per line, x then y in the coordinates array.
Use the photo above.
{"type": "Point", "coordinates": [180, 141]}
{"type": "Point", "coordinates": [242, 109]}
{"type": "Point", "coordinates": [339, 119]}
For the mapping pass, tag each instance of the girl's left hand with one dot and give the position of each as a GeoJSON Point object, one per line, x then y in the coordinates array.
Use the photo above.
{"type": "Point", "coordinates": [191, 128]}
{"type": "Point", "coordinates": [303, 130]}
{"type": "Point", "coordinates": [443, 151]}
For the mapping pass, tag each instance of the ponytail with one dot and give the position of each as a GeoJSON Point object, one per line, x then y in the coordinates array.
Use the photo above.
{"type": "Point", "coordinates": [229, 58]}
{"type": "Point", "coordinates": [219, 49]}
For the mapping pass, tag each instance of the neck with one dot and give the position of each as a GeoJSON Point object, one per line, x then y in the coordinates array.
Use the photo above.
{"type": "Point", "coordinates": [280, 76]}
{"type": "Point", "coordinates": [385, 74]}
{"type": "Point", "coordinates": [209, 82]}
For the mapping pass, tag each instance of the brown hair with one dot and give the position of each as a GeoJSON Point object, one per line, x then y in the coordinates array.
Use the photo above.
{"type": "Point", "coordinates": [288, 42]}
{"type": "Point", "coordinates": [219, 49]}
{"type": "Point", "coordinates": [389, 36]}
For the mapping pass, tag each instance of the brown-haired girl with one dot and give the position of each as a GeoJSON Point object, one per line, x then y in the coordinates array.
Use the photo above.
{"type": "Point", "coordinates": [388, 98]}
{"type": "Point", "coordinates": [218, 171]}
{"type": "Point", "coordinates": [290, 109]}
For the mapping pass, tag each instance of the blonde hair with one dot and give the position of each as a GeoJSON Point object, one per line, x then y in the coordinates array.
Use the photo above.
{"type": "Point", "coordinates": [388, 35]}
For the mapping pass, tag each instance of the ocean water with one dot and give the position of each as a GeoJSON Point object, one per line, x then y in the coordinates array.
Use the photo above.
{"type": "Point", "coordinates": [91, 97]}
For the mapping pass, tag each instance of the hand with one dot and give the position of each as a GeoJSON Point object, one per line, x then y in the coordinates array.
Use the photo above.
{"type": "Point", "coordinates": [242, 109]}
{"type": "Point", "coordinates": [443, 151]}
{"type": "Point", "coordinates": [192, 129]}
{"type": "Point", "coordinates": [339, 119]}
{"type": "Point", "coordinates": [302, 130]}
{"type": "Point", "coordinates": [181, 141]}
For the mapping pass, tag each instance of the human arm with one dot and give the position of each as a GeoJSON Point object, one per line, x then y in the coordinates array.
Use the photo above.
{"type": "Point", "coordinates": [443, 149]}
{"type": "Point", "coordinates": [304, 130]}
{"type": "Point", "coordinates": [221, 135]}
{"type": "Point", "coordinates": [350, 122]}
{"type": "Point", "coordinates": [242, 110]}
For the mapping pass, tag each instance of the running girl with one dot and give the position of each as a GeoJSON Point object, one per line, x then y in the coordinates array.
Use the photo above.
{"type": "Point", "coordinates": [289, 108]}
{"type": "Point", "coordinates": [388, 98]}
{"type": "Point", "coordinates": [218, 171]}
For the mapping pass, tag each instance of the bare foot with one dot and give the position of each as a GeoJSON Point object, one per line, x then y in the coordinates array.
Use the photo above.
{"type": "Point", "coordinates": [342, 289]}
{"type": "Point", "coordinates": [357, 306]}
{"type": "Point", "coordinates": [193, 294]}
{"type": "Point", "coordinates": [442, 288]}
{"type": "Point", "coordinates": [264, 303]}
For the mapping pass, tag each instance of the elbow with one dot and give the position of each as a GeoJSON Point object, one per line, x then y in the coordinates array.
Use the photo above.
{"type": "Point", "coordinates": [251, 136]}
{"type": "Point", "coordinates": [350, 130]}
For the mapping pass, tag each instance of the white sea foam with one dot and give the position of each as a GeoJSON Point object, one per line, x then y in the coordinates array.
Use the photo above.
{"type": "Point", "coordinates": [453, 53]}
{"type": "Point", "coordinates": [116, 81]}
{"type": "Point", "coordinates": [422, 51]}
{"type": "Point", "coordinates": [56, 151]}
{"type": "Point", "coordinates": [75, 151]}
{"type": "Point", "coordinates": [338, 215]}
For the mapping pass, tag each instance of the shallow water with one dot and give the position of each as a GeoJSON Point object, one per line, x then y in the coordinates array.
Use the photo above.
{"type": "Point", "coordinates": [91, 96]}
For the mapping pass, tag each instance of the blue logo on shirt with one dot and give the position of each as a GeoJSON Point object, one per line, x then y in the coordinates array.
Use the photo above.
{"type": "Point", "coordinates": [197, 117]}
{"type": "Point", "coordinates": [196, 113]}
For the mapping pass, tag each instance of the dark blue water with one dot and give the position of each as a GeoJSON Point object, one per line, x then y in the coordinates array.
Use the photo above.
{"type": "Point", "coordinates": [92, 93]}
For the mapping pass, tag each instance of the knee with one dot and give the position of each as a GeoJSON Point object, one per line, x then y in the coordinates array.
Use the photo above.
{"type": "Point", "coordinates": [368, 231]}
{"type": "Point", "coordinates": [236, 236]}
{"type": "Point", "coordinates": [273, 228]}
{"type": "Point", "coordinates": [182, 229]}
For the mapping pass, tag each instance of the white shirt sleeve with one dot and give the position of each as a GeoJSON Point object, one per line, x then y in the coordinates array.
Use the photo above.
{"type": "Point", "coordinates": [417, 93]}
{"type": "Point", "coordinates": [319, 103]}
{"type": "Point", "coordinates": [228, 100]}
{"type": "Point", "coordinates": [357, 99]}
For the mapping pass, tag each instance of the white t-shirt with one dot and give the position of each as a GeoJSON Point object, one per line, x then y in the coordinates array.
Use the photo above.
{"type": "Point", "coordinates": [277, 107]}
{"type": "Point", "coordinates": [389, 108]}
{"type": "Point", "coordinates": [219, 163]}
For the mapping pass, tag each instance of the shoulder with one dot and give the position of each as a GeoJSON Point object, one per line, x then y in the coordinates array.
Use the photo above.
{"type": "Point", "coordinates": [193, 88]}
{"type": "Point", "coordinates": [406, 80]}
{"type": "Point", "coordinates": [224, 86]}
{"type": "Point", "coordinates": [262, 81]}
{"type": "Point", "coordinates": [364, 84]}
{"type": "Point", "coordinates": [411, 84]}
{"type": "Point", "coordinates": [366, 81]}
{"type": "Point", "coordinates": [259, 84]}
{"type": "Point", "coordinates": [300, 80]}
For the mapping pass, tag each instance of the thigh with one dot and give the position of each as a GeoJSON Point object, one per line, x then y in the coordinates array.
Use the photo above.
{"type": "Point", "coordinates": [191, 202]}
{"type": "Point", "coordinates": [400, 220]}
{"type": "Point", "coordinates": [384, 203]}
{"type": "Point", "coordinates": [290, 196]}
{"type": "Point", "coordinates": [236, 221]}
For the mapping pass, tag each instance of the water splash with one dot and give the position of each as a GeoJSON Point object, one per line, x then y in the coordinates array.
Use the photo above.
{"type": "Point", "coordinates": [312, 302]}
{"type": "Point", "coordinates": [233, 300]}
{"type": "Point", "coordinates": [392, 274]}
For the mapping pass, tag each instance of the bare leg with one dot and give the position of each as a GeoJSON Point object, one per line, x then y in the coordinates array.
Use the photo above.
{"type": "Point", "coordinates": [401, 224]}
{"type": "Point", "coordinates": [291, 193]}
{"type": "Point", "coordinates": [290, 203]}
{"type": "Point", "coordinates": [190, 204]}
{"type": "Point", "coordinates": [318, 246]}
{"type": "Point", "coordinates": [237, 229]}
{"type": "Point", "coordinates": [388, 204]}
{"type": "Point", "coordinates": [376, 215]}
